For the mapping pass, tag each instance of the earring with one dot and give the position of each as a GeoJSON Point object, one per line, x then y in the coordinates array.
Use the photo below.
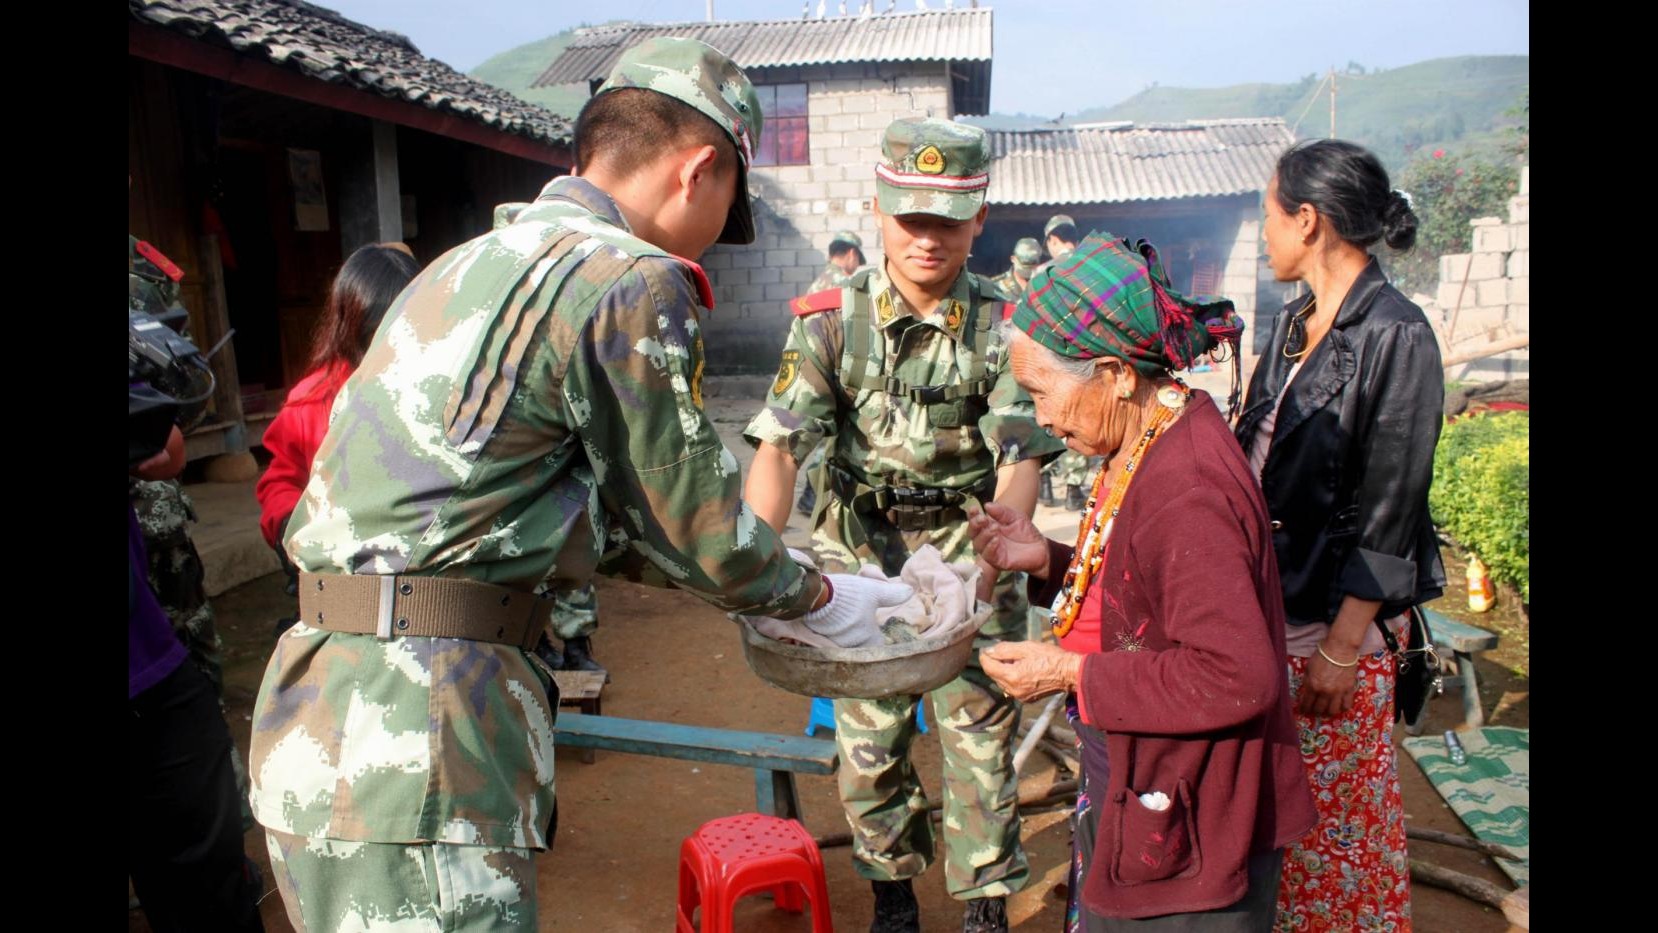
{"type": "Point", "coordinates": [1125, 393]}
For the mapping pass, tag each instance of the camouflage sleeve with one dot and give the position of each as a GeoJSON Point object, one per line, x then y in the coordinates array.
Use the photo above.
{"type": "Point", "coordinates": [800, 411]}
{"type": "Point", "coordinates": [634, 393]}
{"type": "Point", "coordinates": [1009, 425]}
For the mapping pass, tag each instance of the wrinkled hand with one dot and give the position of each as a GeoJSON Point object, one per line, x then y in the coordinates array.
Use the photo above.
{"type": "Point", "coordinates": [1008, 540]}
{"type": "Point", "coordinates": [1327, 690]}
{"type": "Point", "coordinates": [852, 617]}
{"type": "Point", "coordinates": [1030, 670]}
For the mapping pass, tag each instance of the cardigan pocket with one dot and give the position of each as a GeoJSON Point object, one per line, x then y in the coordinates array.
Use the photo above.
{"type": "Point", "coordinates": [1154, 845]}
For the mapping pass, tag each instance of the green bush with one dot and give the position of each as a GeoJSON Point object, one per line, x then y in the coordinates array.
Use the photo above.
{"type": "Point", "coordinates": [1481, 493]}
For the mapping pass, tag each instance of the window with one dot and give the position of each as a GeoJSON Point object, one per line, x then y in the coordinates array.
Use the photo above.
{"type": "Point", "coordinates": [783, 135]}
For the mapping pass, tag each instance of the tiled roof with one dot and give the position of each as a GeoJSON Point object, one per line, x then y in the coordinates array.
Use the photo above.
{"type": "Point", "coordinates": [322, 44]}
{"type": "Point", "coordinates": [1109, 163]}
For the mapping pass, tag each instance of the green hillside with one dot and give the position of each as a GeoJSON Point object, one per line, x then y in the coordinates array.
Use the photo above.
{"type": "Point", "coordinates": [1457, 104]}
{"type": "Point", "coordinates": [514, 70]}
{"type": "Point", "coordinates": [1452, 103]}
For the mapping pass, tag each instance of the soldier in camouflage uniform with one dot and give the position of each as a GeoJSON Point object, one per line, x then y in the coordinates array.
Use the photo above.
{"type": "Point", "coordinates": [1026, 254]}
{"type": "Point", "coordinates": [165, 512]}
{"type": "Point", "coordinates": [532, 397]}
{"type": "Point", "coordinates": [846, 254]}
{"type": "Point", "coordinates": [1059, 234]}
{"type": "Point", "coordinates": [904, 374]}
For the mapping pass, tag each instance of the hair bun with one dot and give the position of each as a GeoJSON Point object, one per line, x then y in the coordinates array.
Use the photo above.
{"type": "Point", "coordinates": [1399, 221]}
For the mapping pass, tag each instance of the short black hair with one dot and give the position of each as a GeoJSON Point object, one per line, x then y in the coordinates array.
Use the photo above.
{"type": "Point", "coordinates": [840, 248]}
{"type": "Point", "coordinates": [628, 127]}
{"type": "Point", "coordinates": [1066, 233]}
{"type": "Point", "coordinates": [1349, 188]}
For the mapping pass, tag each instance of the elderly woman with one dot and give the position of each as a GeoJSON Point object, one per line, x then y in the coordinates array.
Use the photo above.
{"type": "Point", "coordinates": [1341, 422]}
{"type": "Point", "coordinates": [1168, 609]}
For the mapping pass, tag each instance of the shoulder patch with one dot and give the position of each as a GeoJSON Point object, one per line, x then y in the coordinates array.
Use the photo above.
{"type": "Point", "coordinates": [787, 372]}
{"type": "Point", "coordinates": [705, 291]}
{"type": "Point", "coordinates": [826, 300]}
{"type": "Point", "coordinates": [167, 267]}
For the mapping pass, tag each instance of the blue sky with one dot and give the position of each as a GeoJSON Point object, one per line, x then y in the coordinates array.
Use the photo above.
{"type": "Point", "coordinates": [1051, 55]}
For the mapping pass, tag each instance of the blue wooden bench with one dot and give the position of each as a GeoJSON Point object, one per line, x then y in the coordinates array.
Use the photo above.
{"type": "Point", "coordinates": [1462, 641]}
{"type": "Point", "coordinates": [775, 758]}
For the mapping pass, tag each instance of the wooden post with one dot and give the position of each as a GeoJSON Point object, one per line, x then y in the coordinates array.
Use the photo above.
{"type": "Point", "coordinates": [227, 391]}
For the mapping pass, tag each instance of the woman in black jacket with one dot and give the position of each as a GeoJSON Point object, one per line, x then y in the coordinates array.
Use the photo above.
{"type": "Point", "coordinates": [1340, 422]}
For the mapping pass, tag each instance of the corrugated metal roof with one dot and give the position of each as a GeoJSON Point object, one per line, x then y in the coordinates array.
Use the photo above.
{"type": "Point", "coordinates": [1111, 163]}
{"type": "Point", "coordinates": [324, 45]}
{"type": "Point", "coordinates": [938, 35]}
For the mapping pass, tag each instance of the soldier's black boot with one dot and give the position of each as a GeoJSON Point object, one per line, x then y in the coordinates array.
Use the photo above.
{"type": "Point", "coordinates": [1045, 492]}
{"type": "Point", "coordinates": [895, 908]}
{"type": "Point", "coordinates": [1074, 499]}
{"type": "Point", "coordinates": [985, 915]}
{"type": "Point", "coordinates": [550, 655]}
{"type": "Point", "coordinates": [578, 656]}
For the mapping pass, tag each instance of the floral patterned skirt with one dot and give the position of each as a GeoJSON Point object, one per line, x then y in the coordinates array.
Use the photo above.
{"type": "Point", "coordinates": [1350, 872]}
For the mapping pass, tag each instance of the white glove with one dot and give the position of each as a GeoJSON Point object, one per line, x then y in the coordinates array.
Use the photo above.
{"type": "Point", "coordinates": [852, 617]}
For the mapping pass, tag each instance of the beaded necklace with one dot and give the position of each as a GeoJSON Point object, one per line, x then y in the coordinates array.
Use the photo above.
{"type": "Point", "coordinates": [1091, 538]}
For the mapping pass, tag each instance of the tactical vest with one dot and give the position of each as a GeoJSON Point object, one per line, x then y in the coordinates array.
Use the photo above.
{"type": "Point", "coordinates": [947, 406]}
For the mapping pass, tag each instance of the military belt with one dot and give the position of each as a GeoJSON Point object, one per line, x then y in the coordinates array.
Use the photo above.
{"type": "Point", "coordinates": [935, 395]}
{"type": "Point", "coordinates": [388, 606]}
{"type": "Point", "coordinates": [907, 508]}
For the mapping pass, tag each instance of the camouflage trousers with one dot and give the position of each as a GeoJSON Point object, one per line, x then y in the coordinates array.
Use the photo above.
{"type": "Point", "coordinates": [1069, 469]}
{"type": "Point", "coordinates": [176, 575]}
{"type": "Point", "coordinates": [334, 884]}
{"type": "Point", "coordinates": [977, 726]}
{"type": "Point", "coordinates": [575, 613]}
{"type": "Point", "coordinates": [886, 806]}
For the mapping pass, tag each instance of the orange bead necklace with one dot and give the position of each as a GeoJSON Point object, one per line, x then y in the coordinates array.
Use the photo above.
{"type": "Point", "coordinates": [1091, 537]}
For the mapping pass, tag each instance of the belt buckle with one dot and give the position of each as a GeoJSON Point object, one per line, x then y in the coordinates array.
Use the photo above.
{"type": "Point", "coordinates": [382, 622]}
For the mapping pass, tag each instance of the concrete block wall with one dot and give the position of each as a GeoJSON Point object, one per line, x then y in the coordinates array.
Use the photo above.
{"type": "Point", "coordinates": [799, 207]}
{"type": "Point", "coordinates": [1238, 281]}
{"type": "Point", "coordinates": [1487, 293]}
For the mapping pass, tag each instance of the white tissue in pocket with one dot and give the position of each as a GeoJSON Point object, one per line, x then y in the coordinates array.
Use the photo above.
{"type": "Point", "coordinates": [1156, 800]}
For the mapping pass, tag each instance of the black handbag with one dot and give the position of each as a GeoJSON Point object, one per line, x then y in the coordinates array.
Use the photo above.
{"type": "Point", "coordinates": [1418, 667]}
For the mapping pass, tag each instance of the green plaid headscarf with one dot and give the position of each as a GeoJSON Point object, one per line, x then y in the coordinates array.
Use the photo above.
{"type": "Point", "coordinates": [1112, 298]}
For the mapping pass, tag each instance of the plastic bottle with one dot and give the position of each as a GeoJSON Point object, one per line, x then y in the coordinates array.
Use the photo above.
{"type": "Point", "coordinates": [1481, 595]}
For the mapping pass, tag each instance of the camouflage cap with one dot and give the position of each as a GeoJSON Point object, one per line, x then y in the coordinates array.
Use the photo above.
{"type": "Point", "coordinates": [1055, 222]}
{"type": "Point", "coordinates": [931, 166]}
{"type": "Point", "coordinates": [1027, 252]}
{"type": "Point", "coordinates": [702, 76]}
{"type": "Point", "coordinates": [846, 236]}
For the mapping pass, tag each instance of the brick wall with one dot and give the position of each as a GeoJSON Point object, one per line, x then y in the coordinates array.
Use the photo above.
{"type": "Point", "coordinates": [799, 207]}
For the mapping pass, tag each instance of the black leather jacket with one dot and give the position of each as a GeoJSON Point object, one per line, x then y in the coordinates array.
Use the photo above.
{"type": "Point", "coordinates": [1347, 474]}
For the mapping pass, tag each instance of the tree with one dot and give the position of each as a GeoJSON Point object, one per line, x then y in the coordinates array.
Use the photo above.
{"type": "Point", "coordinates": [1447, 192]}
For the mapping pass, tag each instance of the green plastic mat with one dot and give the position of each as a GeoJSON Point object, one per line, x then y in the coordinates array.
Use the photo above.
{"type": "Point", "coordinates": [1491, 792]}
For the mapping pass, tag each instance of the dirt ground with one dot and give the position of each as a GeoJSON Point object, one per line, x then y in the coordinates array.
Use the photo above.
{"type": "Point", "coordinates": [674, 658]}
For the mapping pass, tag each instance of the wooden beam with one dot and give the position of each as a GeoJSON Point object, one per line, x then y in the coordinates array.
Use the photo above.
{"type": "Point", "coordinates": [1490, 349]}
{"type": "Point", "coordinates": [166, 47]}
{"type": "Point", "coordinates": [227, 388]}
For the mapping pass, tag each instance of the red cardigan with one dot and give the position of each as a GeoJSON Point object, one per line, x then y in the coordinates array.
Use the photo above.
{"type": "Point", "coordinates": [1202, 711]}
{"type": "Point", "coordinates": [293, 437]}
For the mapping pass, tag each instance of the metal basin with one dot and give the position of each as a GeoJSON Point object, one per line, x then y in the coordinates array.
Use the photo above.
{"type": "Point", "coordinates": [862, 673]}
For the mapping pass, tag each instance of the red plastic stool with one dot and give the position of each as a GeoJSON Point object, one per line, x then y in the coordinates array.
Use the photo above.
{"type": "Point", "coordinates": [733, 856]}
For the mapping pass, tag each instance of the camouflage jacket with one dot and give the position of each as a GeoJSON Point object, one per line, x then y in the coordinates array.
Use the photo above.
{"type": "Point", "coordinates": [532, 396]}
{"type": "Point", "coordinates": [1010, 285]}
{"type": "Point", "coordinates": [830, 277]}
{"type": "Point", "coordinates": [883, 438]}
